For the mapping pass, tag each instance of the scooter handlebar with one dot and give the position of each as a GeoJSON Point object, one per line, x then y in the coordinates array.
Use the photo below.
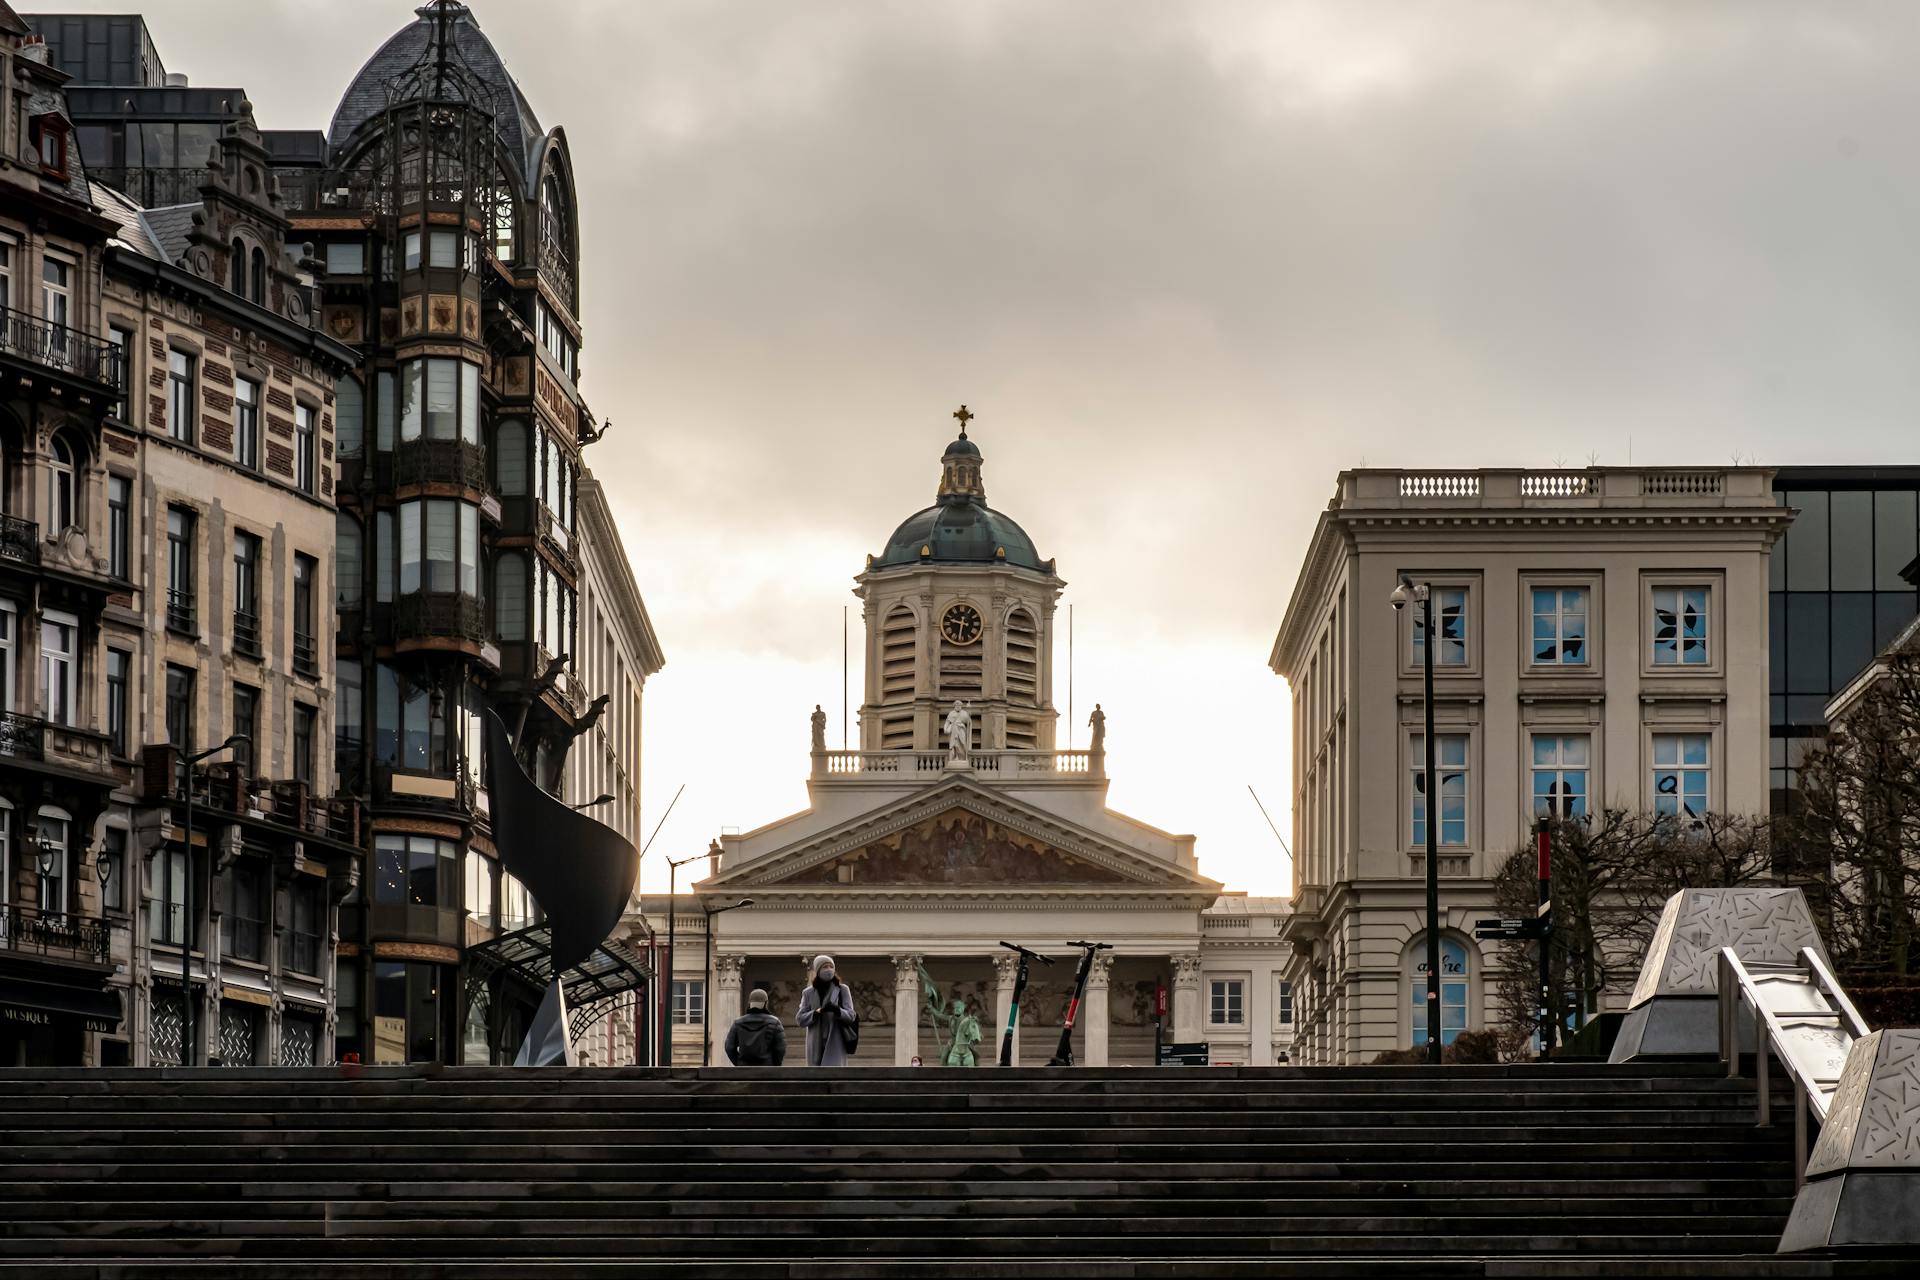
{"type": "Point", "coordinates": [1090, 946]}
{"type": "Point", "coordinates": [1031, 955]}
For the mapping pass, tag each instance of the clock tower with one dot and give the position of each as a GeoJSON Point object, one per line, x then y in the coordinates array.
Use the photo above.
{"type": "Point", "coordinates": [959, 607]}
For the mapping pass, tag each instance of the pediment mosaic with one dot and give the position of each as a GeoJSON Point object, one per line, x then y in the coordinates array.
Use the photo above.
{"type": "Point", "coordinates": [960, 849]}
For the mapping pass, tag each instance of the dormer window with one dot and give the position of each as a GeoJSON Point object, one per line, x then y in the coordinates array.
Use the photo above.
{"type": "Point", "coordinates": [50, 140]}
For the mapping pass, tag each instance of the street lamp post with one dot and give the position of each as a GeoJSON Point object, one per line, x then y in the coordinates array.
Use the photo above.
{"type": "Point", "coordinates": [595, 803]}
{"type": "Point", "coordinates": [666, 1004]}
{"type": "Point", "coordinates": [706, 968]}
{"type": "Point", "coordinates": [188, 1051]}
{"type": "Point", "coordinates": [1422, 595]}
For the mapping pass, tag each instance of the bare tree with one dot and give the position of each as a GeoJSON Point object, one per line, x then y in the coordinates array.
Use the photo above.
{"type": "Point", "coordinates": [1852, 833]}
{"type": "Point", "coordinates": [1612, 873]}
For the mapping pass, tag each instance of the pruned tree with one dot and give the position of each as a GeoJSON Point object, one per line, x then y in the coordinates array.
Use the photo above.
{"type": "Point", "coordinates": [1852, 832]}
{"type": "Point", "coordinates": [1612, 873]}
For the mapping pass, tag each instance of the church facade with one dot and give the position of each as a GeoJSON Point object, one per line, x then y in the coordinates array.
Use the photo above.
{"type": "Point", "coordinates": [958, 825]}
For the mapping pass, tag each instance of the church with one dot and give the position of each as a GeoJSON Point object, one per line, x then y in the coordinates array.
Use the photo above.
{"type": "Point", "coordinates": [959, 825]}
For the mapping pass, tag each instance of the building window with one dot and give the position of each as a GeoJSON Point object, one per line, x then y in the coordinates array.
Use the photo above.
{"type": "Point", "coordinates": [122, 342]}
{"type": "Point", "coordinates": [59, 663]}
{"type": "Point", "coordinates": [113, 857]}
{"type": "Point", "coordinates": [1453, 991]}
{"type": "Point", "coordinates": [1450, 771]}
{"type": "Point", "coordinates": [307, 904]}
{"type": "Point", "coordinates": [56, 296]}
{"type": "Point", "coordinates": [180, 603]}
{"type": "Point", "coordinates": [383, 556]}
{"type": "Point", "coordinates": [303, 721]}
{"type": "Point", "coordinates": [510, 596]}
{"type": "Point", "coordinates": [180, 397]}
{"type": "Point", "coordinates": [237, 268]}
{"type": "Point", "coordinates": [246, 423]}
{"type": "Point", "coordinates": [345, 258]}
{"type": "Point", "coordinates": [1679, 626]}
{"type": "Point", "coordinates": [306, 651]}
{"type": "Point", "coordinates": [180, 708]}
{"type": "Point", "coordinates": [1560, 776]}
{"type": "Point", "coordinates": [55, 834]}
{"type": "Point", "coordinates": [243, 925]}
{"type": "Point", "coordinates": [166, 908]}
{"type": "Point", "coordinates": [119, 666]}
{"type": "Point", "coordinates": [1283, 1006]}
{"type": "Point", "coordinates": [60, 506]}
{"type": "Point", "coordinates": [385, 410]}
{"type": "Point", "coordinates": [689, 1001]}
{"type": "Point", "coordinates": [1681, 774]}
{"type": "Point", "coordinates": [348, 723]}
{"type": "Point", "coordinates": [119, 527]}
{"type": "Point", "coordinates": [1450, 622]}
{"type": "Point", "coordinates": [443, 249]}
{"type": "Point", "coordinates": [415, 871]}
{"type": "Point", "coordinates": [346, 561]}
{"type": "Point", "coordinates": [52, 145]}
{"type": "Point", "coordinates": [246, 722]}
{"type": "Point", "coordinates": [439, 546]}
{"type": "Point", "coordinates": [246, 594]}
{"type": "Point", "coordinates": [304, 463]}
{"type": "Point", "coordinates": [410, 251]}
{"type": "Point", "coordinates": [510, 459]}
{"type": "Point", "coordinates": [440, 399]}
{"type": "Point", "coordinates": [516, 904]}
{"type": "Point", "coordinates": [479, 900]}
{"type": "Point", "coordinates": [349, 418]}
{"type": "Point", "coordinates": [1226, 1005]}
{"type": "Point", "coordinates": [1560, 626]}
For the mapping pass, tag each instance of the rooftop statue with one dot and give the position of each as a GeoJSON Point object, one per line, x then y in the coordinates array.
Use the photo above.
{"type": "Point", "coordinates": [959, 728]}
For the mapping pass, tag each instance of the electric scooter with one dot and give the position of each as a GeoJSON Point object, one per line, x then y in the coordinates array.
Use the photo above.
{"type": "Point", "coordinates": [1063, 1056]}
{"type": "Point", "coordinates": [1019, 988]}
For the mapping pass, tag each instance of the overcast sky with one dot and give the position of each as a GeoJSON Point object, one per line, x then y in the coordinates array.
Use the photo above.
{"type": "Point", "coordinates": [1186, 262]}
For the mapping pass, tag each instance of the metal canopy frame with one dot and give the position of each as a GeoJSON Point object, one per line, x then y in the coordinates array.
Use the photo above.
{"type": "Point", "coordinates": [527, 956]}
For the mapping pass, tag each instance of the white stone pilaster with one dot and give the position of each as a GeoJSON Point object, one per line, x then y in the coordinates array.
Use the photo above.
{"type": "Point", "coordinates": [725, 993]}
{"type": "Point", "coordinates": [1096, 1009]}
{"type": "Point", "coordinates": [906, 1009]}
{"type": "Point", "coordinates": [1186, 997]}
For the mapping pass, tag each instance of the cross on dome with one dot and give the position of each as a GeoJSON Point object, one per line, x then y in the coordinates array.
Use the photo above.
{"type": "Point", "coordinates": [965, 417]}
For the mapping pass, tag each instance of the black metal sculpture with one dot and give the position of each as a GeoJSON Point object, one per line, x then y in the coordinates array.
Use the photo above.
{"type": "Point", "coordinates": [580, 872]}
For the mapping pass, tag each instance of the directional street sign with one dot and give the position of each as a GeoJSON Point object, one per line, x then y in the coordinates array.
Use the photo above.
{"type": "Point", "coordinates": [1509, 930]}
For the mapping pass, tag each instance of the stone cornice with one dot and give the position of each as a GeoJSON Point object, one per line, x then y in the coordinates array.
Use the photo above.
{"type": "Point", "coordinates": [983, 899]}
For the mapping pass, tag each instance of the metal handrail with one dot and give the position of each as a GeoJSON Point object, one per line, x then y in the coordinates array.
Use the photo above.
{"type": "Point", "coordinates": [1736, 981]}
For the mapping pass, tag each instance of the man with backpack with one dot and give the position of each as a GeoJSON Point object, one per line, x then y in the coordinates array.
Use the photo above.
{"type": "Point", "coordinates": [756, 1038]}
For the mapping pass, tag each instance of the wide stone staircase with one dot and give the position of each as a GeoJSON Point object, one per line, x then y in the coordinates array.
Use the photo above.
{"type": "Point", "coordinates": [1553, 1170]}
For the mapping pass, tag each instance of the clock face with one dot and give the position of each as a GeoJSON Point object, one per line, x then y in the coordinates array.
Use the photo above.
{"type": "Point", "coordinates": [961, 624]}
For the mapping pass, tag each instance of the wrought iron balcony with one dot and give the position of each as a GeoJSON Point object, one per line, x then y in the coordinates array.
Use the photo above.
{"type": "Point", "coordinates": [452, 462]}
{"type": "Point", "coordinates": [306, 654]}
{"type": "Point", "coordinates": [46, 933]}
{"type": "Point", "coordinates": [19, 540]}
{"type": "Point", "coordinates": [55, 346]}
{"type": "Point", "coordinates": [246, 631]}
{"type": "Point", "coordinates": [22, 737]}
{"type": "Point", "coordinates": [181, 616]}
{"type": "Point", "coordinates": [424, 613]}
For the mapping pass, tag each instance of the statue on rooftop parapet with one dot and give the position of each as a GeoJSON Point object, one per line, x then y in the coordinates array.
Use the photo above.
{"type": "Point", "coordinates": [1098, 721]}
{"type": "Point", "coordinates": [959, 728]}
{"type": "Point", "coordinates": [819, 728]}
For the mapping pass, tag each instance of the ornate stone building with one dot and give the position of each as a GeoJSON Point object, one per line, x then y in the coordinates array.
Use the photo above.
{"type": "Point", "coordinates": [1601, 640]}
{"type": "Point", "coordinates": [944, 834]}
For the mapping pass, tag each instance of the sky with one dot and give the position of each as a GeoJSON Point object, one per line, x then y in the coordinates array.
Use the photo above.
{"type": "Point", "coordinates": [1185, 262]}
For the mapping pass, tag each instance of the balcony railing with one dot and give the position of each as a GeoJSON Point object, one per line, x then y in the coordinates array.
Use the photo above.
{"type": "Point", "coordinates": [22, 737]}
{"type": "Point", "coordinates": [453, 462]}
{"type": "Point", "coordinates": [891, 766]}
{"type": "Point", "coordinates": [425, 613]}
{"type": "Point", "coordinates": [181, 616]}
{"type": "Point", "coordinates": [58, 347]}
{"type": "Point", "coordinates": [306, 654]}
{"type": "Point", "coordinates": [64, 934]}
{"type": "Point", "coordinates": [19, 540]}
{"type": "Point", "coordinates": [246, 630]}
{"type": "Point", "coordinates": [224, 788]}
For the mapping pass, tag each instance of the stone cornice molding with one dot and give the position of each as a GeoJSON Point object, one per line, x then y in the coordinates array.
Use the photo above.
{"type": "Point", "coordinates": [603, 542]}
{"type": "Point", "coordinates": [983, 900]}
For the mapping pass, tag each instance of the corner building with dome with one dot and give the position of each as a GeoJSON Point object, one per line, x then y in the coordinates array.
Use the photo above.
{"type": "Point", "coordinates": [915, 859]}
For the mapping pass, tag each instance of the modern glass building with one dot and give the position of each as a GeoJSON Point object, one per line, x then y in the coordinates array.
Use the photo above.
{"type": "Point", "coordinates": [1837, 594]}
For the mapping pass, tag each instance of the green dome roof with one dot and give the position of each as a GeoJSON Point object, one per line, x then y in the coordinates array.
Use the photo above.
{"type": "Point", "coordinates": [960, 528]}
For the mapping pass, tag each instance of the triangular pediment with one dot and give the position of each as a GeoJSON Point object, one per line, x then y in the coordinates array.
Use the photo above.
{"type": "Point", "coordinates": [959, 837]}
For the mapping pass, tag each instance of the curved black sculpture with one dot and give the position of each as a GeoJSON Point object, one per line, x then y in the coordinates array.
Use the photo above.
{"type": "Point", "coordinates": [579, 871]}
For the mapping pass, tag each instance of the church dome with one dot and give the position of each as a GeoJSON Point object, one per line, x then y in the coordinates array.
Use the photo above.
{"type": "Point", "coordinates": [960, 528]}
{"type": "Point", "coordinates": [409, 66]}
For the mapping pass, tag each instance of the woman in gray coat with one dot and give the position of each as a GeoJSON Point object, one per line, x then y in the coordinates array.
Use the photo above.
{"type": "Point", "coordinates": [825, 1007]}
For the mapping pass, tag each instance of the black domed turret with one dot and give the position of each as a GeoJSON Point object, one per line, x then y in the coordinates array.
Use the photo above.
{"type": "Point", "coordinates": [960, 528]}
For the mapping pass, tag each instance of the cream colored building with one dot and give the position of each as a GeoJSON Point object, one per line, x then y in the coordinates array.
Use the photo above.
{"type": "Point", "coordinates": [925, 848]}
{"type": "Point", "coordinates": [1601, 642]}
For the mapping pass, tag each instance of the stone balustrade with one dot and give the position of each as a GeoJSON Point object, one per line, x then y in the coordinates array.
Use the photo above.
{"type": "Point", "coordinates": [921, 766]}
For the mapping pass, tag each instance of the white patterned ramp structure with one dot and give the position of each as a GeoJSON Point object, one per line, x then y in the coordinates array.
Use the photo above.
{"type": "Point", "coordinates": [1863, 1180]}
{"type": "Point", "coordinates": [1674, 1009]}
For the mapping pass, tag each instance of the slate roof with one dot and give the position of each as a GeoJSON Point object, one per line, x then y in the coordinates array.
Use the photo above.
{"type": "Point", "coordinates": [170, 227]}
{"type": "Point", "coordinates": [385, 77]}
{"type": "Point", "coordinates": [121, 207]}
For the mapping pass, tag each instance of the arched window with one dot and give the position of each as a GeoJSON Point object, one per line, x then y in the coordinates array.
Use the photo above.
{"type": "Point", "coordinates": [510, 458]}
{"type": "Point", "coordinates": [60, 486]}
{"type": "Point", "coordinates": [510, 596]}
{"type": "Point", "coordinates": [1454, 994]}
{"type": "Point", "coordinates": [347, 559]}
{"type": "Point", "coordinates": [237, 268]}
{"type": "Point", "coordinates": [259, 292]}
{"type": "Point", "coordinates": [349, 417]}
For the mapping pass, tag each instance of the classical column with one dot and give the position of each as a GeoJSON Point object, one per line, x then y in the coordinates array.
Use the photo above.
{"type": "Point", "coordinates": [726, 1005]}
{"type": "Point", "coordinates": [906, 1009]}
{"type": "Point", "coordinates": [1186, 997]}
{"type": "Point", "coordinates": [1094, 1012]}
{"type": "Point", "coordinates": [1006, 968]}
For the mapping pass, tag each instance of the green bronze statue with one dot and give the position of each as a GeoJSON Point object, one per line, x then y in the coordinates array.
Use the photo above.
{"type": "Point", "coordinates": [956, 1027]}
